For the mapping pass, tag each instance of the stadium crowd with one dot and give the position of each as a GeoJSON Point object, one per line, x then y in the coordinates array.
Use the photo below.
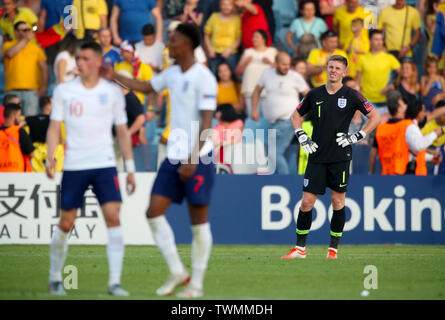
{"type": "Point", "coordinates": [265, 54]}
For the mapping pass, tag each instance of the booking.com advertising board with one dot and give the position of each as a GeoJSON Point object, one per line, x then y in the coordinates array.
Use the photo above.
{"type": "Point", "coordinates": [245, 209]}
{"type": "Point", "coordinates": [264, 210]}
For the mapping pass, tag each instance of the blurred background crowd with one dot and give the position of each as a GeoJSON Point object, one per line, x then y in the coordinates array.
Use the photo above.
{"type": "Point", "coordinates": [265, 54]}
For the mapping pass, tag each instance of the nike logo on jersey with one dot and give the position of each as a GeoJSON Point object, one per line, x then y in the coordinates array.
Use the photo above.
{"type": "Point", "coordinates": [319, 102]}
{"type": "Point", "coordinates": [343, 185]}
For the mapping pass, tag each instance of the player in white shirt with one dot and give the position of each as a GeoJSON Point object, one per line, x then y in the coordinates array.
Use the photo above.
{"type": "Point", "coordinates": [282, 87]}
{"type": "Point", "coordinates": [149, 50]}
{"type": "Point", "coordinates": [193, 89]}
{"type": "Point", "coordinates": [89, 106]}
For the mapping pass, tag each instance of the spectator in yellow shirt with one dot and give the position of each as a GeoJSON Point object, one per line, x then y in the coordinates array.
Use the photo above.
{"type": "Point", "coordinates": [318, 58]}
{"type": "Point", "coordinates": [356, 45]}
{"type": "Point", "coordinates": [12, 15]}
{"type": "Point", "coordinates": [92, 15]}
{"type": "Point", "coordinates": [26, 71]}
{"type": "Point", "coordinates": [134, 66]}
{"type": "Point", "coordinates": [436, 123]}
{"type": "Point", "coordinates": [399, 22]}
{"type": "Point", "coordinates": [140, 71]}
{"type": "Point", "coordinates": [222, 36]}
{"type": "Point", "coordinates": [229, 89]}
{"type": "Point", "coordinates": [374, 70]}
{"type": "Point", "coordinates": [344, 16]}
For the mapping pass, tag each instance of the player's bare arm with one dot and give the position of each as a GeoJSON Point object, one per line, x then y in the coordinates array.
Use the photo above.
{"type": "Point", "coordinates": [108, 72]}
{"type": "Point", "coordinates": [374, 120]}
{"type": "Point", "coordinates": [187, 170]}
{"type": "Point", "coordinates": [52, 139]}
{"type": "Point", "coordinates": [124, 139]}
{"type": "Point", "coordinates": [297, 120]}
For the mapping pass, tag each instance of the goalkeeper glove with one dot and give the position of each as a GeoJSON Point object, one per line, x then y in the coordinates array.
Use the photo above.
{"type": "Point", "coordinates": [344, 139]}
{"type": "Point", "coordinates": [306, 143]}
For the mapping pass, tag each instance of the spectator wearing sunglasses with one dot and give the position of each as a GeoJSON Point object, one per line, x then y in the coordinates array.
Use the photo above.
{"type": "Point", "coordinates": [26, 71]}
{"type": "Point", "coordinates": [12, 15]}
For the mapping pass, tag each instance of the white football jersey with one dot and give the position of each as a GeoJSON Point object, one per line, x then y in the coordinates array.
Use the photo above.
{"type": "Point", "coordinates": [190, 92]}
{"type": "Point", "coordinates": [281, 93]}
{"type": "Point", "coordinates": [89, 115]}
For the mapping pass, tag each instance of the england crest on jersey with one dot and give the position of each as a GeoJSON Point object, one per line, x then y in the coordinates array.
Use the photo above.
{"type": "Point", "coordinates": [341, 103]}
{"type": "Point", "coordinates": [103, 98]}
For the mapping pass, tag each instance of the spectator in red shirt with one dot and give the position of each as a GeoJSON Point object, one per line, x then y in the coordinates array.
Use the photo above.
{"type": "Point", "coordinates": [266, 5]}
{"type": "Point", "coordinates": [252, 19]}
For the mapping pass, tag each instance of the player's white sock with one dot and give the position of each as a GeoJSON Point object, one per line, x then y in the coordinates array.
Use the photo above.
{"type": "Point", "coordinates": [201, 247]}
{"type": "Point", "coordinates": [115, 253]}
{"type": "Point", "coordinates": [58, 252]}
{"type": "Point", "coordinates": [165, 240]}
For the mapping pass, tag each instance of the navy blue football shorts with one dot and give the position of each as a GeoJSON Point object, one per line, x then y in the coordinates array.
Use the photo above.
{"type": "Point", "coordinates": [196, 190]}
{"type": "Point", "coordinates": [104, 181]}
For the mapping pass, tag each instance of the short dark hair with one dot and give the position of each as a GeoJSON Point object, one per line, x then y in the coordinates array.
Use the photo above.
{"type": "Point", "coordinates": [429, 60]}
{"type": "Point", "coordinates": [304, 2]}
{"type": "Point", "coordinates": [296, 60]}
{"type": "Point", "coordinates": [10, 109]}
{"type": "Point", "coordinates": [372, 32]}
{"type": "Point", "coordinates": [339, 58]}
{"type": "Point", "coordinates": [392, 101]}
{"type": "Point", "coordinates": [43, 101]}
{"type": "Point", "coordinates": [8, 97]}
{"type": "Point", "coordinates": [263, 33]}
{"type": "Point", "coordinates": [347, 78]}
{"type": "Point", "coordinates": [192, 32]}
{"type": "Point", "coordinates": [69, 43]}
{"type": "Point", "coordinates": [328, 34]}
{"type": "Point", "coordinates": [232, 74]}
{"type": "Point", "coordinates": [148, 30]}
{"type": "Point", "coordinates": [18, 23]}
{"type": "Point", "coordinates": [92, 45]}
{"type": "Point", "coordinates": [228, 112]}
{"type": "Point", "coordinates": [358, 20]}
{"type": "Point", "coordinates": [413, 109]}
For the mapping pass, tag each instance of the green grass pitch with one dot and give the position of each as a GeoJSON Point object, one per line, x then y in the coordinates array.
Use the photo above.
{"type": "Point", "coordinates": [238, 272]}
